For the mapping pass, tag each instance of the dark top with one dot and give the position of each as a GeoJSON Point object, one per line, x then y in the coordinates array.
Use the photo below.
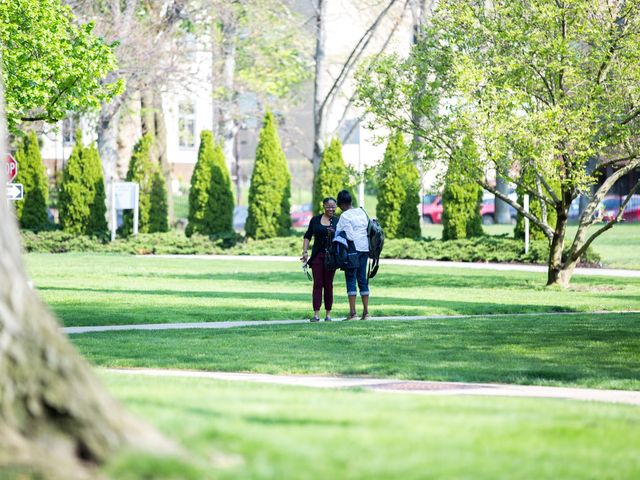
{"type": "Point", "coordinates": [319, 233]}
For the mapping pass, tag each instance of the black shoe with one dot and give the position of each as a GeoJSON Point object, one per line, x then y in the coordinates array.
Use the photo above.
{"type": "Point", "coordinates": [314, 319]}
{"type": "Point", "coordinates": [327, 319]}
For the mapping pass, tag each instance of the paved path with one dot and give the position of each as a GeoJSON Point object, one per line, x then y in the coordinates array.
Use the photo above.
{"type": "Point", "coordinates": [405, 386]}
{"type": "Point", "coordinates": [608, 272]}
{"type": "Point", "coordinates": [261, 323]}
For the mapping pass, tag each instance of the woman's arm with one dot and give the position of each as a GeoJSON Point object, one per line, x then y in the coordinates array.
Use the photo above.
{"type": "Point", "coordinates": [305, 248]}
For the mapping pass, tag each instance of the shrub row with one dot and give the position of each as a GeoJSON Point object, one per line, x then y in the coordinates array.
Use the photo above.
{"type": "Point", "coordinates": [479, 249]}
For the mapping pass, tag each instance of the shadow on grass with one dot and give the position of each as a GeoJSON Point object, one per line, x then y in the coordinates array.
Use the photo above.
{"type": "Point", "coordinates": [586, 350]}
{"type": "Point", "coordinates": [130, 307]}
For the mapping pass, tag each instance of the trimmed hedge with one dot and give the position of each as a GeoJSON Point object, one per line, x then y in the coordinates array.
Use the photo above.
{"type": "Point", "coordinates": [499, 249]}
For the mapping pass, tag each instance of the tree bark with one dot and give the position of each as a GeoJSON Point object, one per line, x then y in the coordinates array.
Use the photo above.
{"type": "Point", "coordinates": [558, 273]}
{"type": "Point", "coordinates": [55, 416]}
{"type": "Point", "coordinates": [152, 121]}
{"type": "Point", "coordinates": [320, 79]}
{"type": "Point", "coordinates": [502, 214]}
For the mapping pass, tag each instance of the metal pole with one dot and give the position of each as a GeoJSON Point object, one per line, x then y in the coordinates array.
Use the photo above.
{"type": "Point", "coordinates": [526, 224]}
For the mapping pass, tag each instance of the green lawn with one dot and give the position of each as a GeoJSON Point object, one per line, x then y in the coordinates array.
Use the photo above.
{"type": "Point", "coordinates": [250, 431]}
{"type": "Point", "coordinates": [581, 350]}
{"type": "Point", "coordinates": [94, 289]}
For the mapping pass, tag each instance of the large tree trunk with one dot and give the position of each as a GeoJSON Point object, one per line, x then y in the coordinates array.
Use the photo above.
{"type": "Point", "coordinates": [558, 273]}
{"type": "Point", "coordinates": [55, 416]}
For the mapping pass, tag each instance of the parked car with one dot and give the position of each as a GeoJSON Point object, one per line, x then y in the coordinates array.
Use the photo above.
{"type": "Point", "coordinates": [301, 215]}
{"type": "Point", "coordinates": [488, 209]}
{"type": "Point", "coordinates": [432, 208]}
{"type": "Point", "coordinates": [610, 206]}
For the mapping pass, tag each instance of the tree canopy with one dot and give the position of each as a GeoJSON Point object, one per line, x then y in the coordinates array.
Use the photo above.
{"type": "Point", "coordinates": [549, 85]}
{"type": "Point", "coordinates": [51, 64]}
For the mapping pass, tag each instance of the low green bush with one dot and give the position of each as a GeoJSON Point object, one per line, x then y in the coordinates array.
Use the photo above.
{"type": "Point", "coordinates": [499, 249]}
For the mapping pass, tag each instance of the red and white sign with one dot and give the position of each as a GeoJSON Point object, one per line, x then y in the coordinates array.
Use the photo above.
{"type": "Point", "coordinates": [11, 168]}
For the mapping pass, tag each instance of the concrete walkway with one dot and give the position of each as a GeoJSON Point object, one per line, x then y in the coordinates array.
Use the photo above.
{"type": "Point", "coordinates": [607, 272]}
{"type": "Point", "coordinates": [404, 386]}
{"type": "Point", "coordinates": [262, 323]}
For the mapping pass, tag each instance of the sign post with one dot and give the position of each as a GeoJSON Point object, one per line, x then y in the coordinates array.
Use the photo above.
{"type": "Point", "coordinates": [15, 191]}
{"type": "Point", "coordinates": [11, 167]}
{"type": "Point", "coordinates": [124, 196]}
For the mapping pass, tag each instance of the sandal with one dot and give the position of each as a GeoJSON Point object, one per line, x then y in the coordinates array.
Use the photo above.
{"type": "Point", "coordinates": [314, 319]}
{"type": "Point", "coordinates": [365, 316]}
{"type": "Point", "coordinates": [352, 316]}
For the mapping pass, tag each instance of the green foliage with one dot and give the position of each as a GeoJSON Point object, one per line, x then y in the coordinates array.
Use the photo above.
{"type": "Point", "coordinates": [218, 218]}
{"type": "Point", "coordinates": [398, 187]}
{"type": "Point", "coordinates": [331, 177]}
{"type": "Point", "coordinates": [82, 200]}
{"type": "Point", "coordinates": [529, 180]}
{"type": "Point", "coordinates": [144, 172]}
{"type": "Point", "coordinates": [159, 210]}
{"type": "Point", "coordinates": [462, 194]}
{"type": "Point", "coordinates": [520, 75]}
{"type": "Point", "coordinates": [51, 64]}
{"type": "Point", "coordinates": [201, 185]}
{"type": "Point", "coordinates": [32, 210]}
{"type": "Point", "coordinates": [270, 191]}
{"type": "Point", "coordinates": [497, 249]}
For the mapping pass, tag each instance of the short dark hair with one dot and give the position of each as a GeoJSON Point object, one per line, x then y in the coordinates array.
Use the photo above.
{"type": "Point", "coordinates": [328, 199]}
{"type": "Point", "coordinates": [344, 198]}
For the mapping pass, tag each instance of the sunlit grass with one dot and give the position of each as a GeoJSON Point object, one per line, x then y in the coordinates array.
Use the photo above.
{"type": "Point", "coordinates": [232, 430]}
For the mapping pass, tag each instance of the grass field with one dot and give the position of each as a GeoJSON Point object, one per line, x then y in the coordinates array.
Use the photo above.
{"type": "Point", "coordinates": [248, 431]}
{"type": "Point", "coordinates": [86, 289]}
{"type": "Point", "coordinates": [588, 350]}
{"type": "Point", "coordinates": [582, 350]}
{"type": "Point", "coordinates": [252, 431]}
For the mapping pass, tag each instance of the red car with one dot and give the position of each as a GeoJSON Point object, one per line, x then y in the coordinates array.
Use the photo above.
{"type": "Point", "coordinates": [610, 206]}
{"type": "Point", "coordinates": [432, 208]}
{"type": "Point", "coordinates": [301, 215]}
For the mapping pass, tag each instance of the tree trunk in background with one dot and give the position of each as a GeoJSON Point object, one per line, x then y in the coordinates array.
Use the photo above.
{"type": "Point", "coordinates": [320, 81]}
{"type": "Point", "coordinates": [55, 416]}
{"type": "Point", "coordinates": [108, 141]}
{"type": "Point", "coordinates": [502, 214]}
{"type": "Point", "coordinates": [152, 121]}
{"type": "Point", "coordinates": [227, 127]}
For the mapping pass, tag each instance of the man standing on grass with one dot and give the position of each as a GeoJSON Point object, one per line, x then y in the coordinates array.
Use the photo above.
{"type": "Point", "coordinates": [353, 222]}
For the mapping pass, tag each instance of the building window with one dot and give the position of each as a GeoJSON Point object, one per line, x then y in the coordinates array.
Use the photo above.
{"type": "Point", "coordinates": [186, 125]}
{"type": "Point", "coordinates": [69, 126]}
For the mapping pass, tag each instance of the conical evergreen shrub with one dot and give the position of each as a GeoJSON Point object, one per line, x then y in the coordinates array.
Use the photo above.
{"type": "Point", "coordinates": [218, 217]}
{"type": "Point", "coordinates": [97, 222]}
{"type": "Point", "coordinates": [82, 206]}
{"type": "Point", "coordinates": [159, 208]}
{"type": "Point", "coordinates": [462, 195]}
{"type": "Point", "coordinates": [32, 210]}
{"type": "Point", "coordinates": [409, 214]}
{"type": "Point", "coordinates": [398, 191]}
{"type": "Point", "coordinates": [141, 171]}
{"type": "Point", "coordinates": [200, 185]}
{"type": "Point", "coordinates": [331, 177]}
{"type": "Point", "coordinates": [270, 191]}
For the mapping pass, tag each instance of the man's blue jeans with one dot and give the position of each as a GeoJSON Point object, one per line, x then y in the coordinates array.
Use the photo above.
{"type": "Point", "coordinates": [360, 275]}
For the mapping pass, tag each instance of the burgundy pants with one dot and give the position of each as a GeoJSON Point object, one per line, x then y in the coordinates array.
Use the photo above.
{"type": "Point", "coordinates": [322, 280]}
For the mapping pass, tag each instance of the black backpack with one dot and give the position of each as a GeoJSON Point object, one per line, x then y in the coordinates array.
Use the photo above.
{"type": "Point", "coordinates": [376, 242]}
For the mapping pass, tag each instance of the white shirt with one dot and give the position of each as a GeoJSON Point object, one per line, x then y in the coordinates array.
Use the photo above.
{"type": "Point", "coordinates": [353, 223]}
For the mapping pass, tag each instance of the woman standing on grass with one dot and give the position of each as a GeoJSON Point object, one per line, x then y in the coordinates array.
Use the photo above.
{"type": "Point", "coordinates": [321, 229]}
